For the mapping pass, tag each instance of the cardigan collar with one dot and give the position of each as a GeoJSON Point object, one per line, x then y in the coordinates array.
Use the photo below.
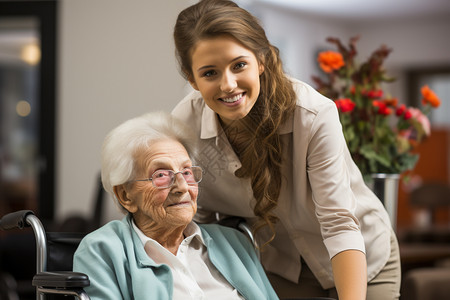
{"type": "Point", "coordinates": [141, 255]}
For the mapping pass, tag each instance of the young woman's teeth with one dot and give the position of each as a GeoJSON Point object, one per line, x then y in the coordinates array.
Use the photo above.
{"type": "Point", "coordinates": [232, 99]}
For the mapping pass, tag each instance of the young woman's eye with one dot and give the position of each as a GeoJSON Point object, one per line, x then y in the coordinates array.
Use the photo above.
{"type": "Point", "coordinates": [240, 65]}
{"type": "Point", "coordinates": [209, 73]}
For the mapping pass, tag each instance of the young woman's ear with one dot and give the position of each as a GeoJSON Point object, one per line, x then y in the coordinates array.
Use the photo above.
{"type": "Point", "coordinates": [261, 60]}
{"type": "Point", "coordinates": [122, 197]}
{"type": "Point", "coordinates": [192, 83]}
{"type": "Point", "coordinates": [261, 68]}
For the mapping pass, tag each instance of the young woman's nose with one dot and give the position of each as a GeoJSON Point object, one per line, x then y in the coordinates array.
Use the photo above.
{"type": "Point", "coordinates": [228, 82]}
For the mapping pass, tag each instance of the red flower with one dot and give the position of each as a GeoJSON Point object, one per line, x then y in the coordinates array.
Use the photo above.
{"type": "Point", "coordinates": [382, 108]}
{"type": "Point", "coordinates": [345, 104]}
{"type": "Point", "coordinates": [403, 111]}
{"type": "Point", "coordinates": [374, 94]}
{"type": "Point", "coordinates": [330, 60]}
{"type": "Point", "coordinates": [400, 110]}
{"type": "Point", "coordinates": [429, 97]}
{"type": "Point", "coordinates": [407, 115]}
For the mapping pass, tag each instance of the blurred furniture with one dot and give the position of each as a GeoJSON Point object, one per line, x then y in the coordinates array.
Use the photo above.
{"type": "Point", "coordinates": [431, 196]}
{"type": "Point", "coordinates": [8, 287]}
{"type": "Point", "coordinates": [426, 284]}
{"type": "Point", "coordinates": [432, 167]}
{"type": "Point", "coordinates": [422, 255]}
{"type": "Point", "coordinates": [426, 245]}
{"type": "Point", "coordinates": [425, 249]}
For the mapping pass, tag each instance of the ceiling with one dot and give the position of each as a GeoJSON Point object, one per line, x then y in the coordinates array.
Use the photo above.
{"type": "Point", "coordinates": [364, 9]}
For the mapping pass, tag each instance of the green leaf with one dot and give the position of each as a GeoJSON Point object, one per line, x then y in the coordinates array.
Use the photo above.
{"type": "Point", "coordinates": [368, 152]}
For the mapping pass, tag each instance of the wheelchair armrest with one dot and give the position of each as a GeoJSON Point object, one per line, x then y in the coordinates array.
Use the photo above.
{"type": "Point", "coordinates": [61, 279]}
{"type": "Point", "coordinates": [15, 220]}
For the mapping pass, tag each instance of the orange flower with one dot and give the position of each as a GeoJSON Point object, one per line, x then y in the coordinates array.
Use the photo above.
{"type": "Point", "coordinates": [353, 90]}
{"type": "Point", "coordinates": [330, 60]}
{"type": "Point", "coordinates": [391, 102]}
{"type": "Point", "coordinates": [429, 97]}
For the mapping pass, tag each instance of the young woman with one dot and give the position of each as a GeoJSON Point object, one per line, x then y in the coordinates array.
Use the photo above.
{"type": "Point", "coordinates": [273, 151]}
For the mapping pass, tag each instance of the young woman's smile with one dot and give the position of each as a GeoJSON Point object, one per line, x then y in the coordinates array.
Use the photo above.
{"type": "Point", "coordinates": [233, 100]}
{"type": "Point", "coordinates": [227, 75]}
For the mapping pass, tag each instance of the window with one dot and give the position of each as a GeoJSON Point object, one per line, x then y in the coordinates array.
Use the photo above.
{"type": "Point", "coordinates": [27, 106]}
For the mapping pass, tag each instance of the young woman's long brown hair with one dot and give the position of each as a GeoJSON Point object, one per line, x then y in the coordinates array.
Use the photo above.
{"type": "Point", "coordinates": [257, 143]}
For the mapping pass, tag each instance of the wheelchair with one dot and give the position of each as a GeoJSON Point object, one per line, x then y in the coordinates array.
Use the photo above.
{"type": "Point", "coordinates": [51, 282]}
{"type": "Point", "coordinates": [55, 250]}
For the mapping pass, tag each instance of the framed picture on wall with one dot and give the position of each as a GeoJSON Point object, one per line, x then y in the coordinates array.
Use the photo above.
{"type": "Point", "coordinates": [438, 79]}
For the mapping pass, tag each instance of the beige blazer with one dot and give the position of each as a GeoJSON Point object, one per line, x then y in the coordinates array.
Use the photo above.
{"type": "Point", "coordinates": [324, 206]}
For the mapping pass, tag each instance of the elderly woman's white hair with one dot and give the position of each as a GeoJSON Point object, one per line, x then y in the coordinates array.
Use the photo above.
{"type": "Point", "coordinates": [123, 142]}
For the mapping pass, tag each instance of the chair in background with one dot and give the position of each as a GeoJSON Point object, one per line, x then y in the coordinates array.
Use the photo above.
{"type": "Point", "coordinates": [426, 283]}
{"type": "Point", "coordinates": [431, 197]}
{"type": "Point", "coordinates": [429, 278]}
{"type": "Point", "coordinates": [79, 223]}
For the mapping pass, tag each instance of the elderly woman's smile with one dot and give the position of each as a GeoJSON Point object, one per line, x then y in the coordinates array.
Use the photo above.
{"type": "Point", "coordinates": [179, 203]}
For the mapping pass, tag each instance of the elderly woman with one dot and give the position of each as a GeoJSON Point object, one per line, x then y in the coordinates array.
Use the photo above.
{"type": "Point", "coordinates": [156, 251]}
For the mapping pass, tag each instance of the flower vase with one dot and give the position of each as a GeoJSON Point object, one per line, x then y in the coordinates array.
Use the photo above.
{"type": "Point", "coordinates": [385, 186]}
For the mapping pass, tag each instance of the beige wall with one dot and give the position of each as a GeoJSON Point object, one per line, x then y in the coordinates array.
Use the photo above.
{"type": "Point", "coordinates": [116, 61]}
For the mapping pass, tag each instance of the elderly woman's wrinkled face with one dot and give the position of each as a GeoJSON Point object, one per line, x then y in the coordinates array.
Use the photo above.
{"type": "Point", "coordinates": [162, 207]}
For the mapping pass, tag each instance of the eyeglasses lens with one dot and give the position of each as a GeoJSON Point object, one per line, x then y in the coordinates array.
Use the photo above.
{"type": "Point", "coordinates": [165, 178]}
{"type": "Point", "coordinates": [162, 178]}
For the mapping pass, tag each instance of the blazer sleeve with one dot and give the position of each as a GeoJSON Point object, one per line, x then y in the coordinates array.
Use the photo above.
{"type": "Point", "coordinates": [330, 178]}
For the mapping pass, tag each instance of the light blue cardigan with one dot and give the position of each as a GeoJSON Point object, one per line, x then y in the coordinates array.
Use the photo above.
{"type": "Point", "coordinates": [119, 268]}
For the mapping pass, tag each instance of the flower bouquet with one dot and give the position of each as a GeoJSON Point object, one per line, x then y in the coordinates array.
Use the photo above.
{"type": "Point", "coordinates": [381, 133]}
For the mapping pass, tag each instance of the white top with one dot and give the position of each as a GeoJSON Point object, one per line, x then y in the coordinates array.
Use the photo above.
{"type": "Point", "coordinates": [194, 276]}
{"type": "Point", "coordinates": [324, 206]}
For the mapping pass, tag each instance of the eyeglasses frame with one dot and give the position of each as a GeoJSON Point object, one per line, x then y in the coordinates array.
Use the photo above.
{"type": "Point", "coordinates": [173, 178]}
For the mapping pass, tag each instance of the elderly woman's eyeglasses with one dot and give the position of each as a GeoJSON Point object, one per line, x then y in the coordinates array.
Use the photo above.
{"type": "Point", "coordinates": [162, 179]}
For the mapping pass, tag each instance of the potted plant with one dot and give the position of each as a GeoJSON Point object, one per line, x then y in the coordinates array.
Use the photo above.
{"type": "Point", "coordinates": [381, 133]}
